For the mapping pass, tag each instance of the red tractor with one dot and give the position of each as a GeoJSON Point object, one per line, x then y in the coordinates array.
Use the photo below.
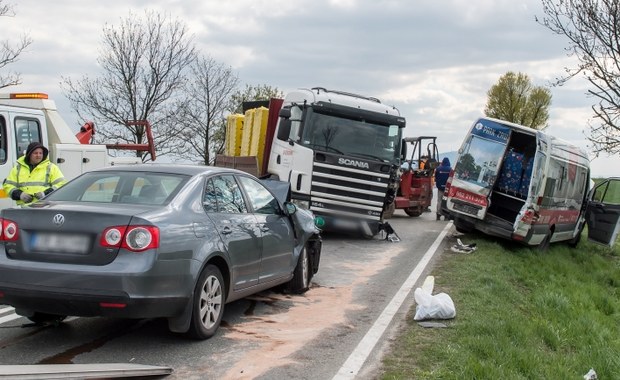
{"type": "Point", "coordinates": [415, 190]}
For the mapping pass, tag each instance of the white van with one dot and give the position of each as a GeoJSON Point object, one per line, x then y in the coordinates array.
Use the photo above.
{"type": "Point", "coordinates": [522, 184]}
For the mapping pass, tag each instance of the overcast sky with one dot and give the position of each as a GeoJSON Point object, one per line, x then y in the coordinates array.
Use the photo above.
{"type": "Point", "coordinates": [433, 60]}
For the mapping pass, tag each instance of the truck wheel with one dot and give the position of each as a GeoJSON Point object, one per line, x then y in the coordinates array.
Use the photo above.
{"type": "Point", "coordinates": [208, 303]}
{"type": "Point", "coordinates": [389, 211]}
{"type": "Point", "coordinates": [413, 211]}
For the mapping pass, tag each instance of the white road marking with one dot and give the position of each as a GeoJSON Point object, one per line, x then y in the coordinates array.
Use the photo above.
{"type": "Point", "coordinates": [6, 309]}
{"type": "Point", "coordinates": [358, 357]}
{"type": "Point", "coordinates": [9, 318]}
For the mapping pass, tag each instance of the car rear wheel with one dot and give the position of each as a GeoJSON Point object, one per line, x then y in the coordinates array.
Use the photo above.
{"type": "Point", "coordinates": [208, 303]}
{"type": "Point", "coordinates": [301, 276]}
{"type": "Point", "coordinates": [44, 318]}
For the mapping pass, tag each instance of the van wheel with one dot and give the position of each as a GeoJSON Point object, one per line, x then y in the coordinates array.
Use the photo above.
{"type": "Point", "coordinates": [574, 241]}
{"type": "Point", "coordinates": [208, 303]}
{"type": "Point", "coordinates": [546, 242]}
{"type": "Point", "coordinates": [463, 227]}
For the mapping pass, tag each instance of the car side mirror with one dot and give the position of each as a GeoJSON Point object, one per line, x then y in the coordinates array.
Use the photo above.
{"type": "Point", "coordinates": [290, 208]}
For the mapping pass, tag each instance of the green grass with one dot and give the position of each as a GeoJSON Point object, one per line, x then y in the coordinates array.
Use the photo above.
{"type": "Point", "coordinates": [521, 314]}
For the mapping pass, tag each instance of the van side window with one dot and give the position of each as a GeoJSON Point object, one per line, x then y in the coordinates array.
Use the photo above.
{"type": "Point", "coordinates": [3, 151]}
{"type": "Point", "coordinates": [26, 131]}
{"type": "Point", "coordinates": [608, 193]}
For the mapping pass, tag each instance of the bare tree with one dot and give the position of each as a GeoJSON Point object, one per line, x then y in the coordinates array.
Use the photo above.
{"type": "Point", "coordinates": [593, 31]}
{"type": "Point", "coordinates": [513, 98]}
{"type": "Point", "coordinates": [202, 113]}
{"type": "Point", "coordinates": [144, 63]}
{"type": "Point", "coordinates": [9, 53]}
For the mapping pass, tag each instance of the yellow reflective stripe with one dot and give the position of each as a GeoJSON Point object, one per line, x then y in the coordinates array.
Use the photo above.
{"type": "Point", "coordinates": [19, 168]}
{"type": "Point", "coordinates": [25, 184]}
{"type": "Point", "coordinates": [9, 182]}
{"type": "Point", "coordinates": [61, 179]}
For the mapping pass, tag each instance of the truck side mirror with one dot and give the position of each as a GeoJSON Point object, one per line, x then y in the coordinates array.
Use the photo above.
{"type": "Point", "coordinates": [285, 113]}
{"type": "Point", "coordinates": [284, 129]}
{"type": "Point", "coordinates": [403, 150]}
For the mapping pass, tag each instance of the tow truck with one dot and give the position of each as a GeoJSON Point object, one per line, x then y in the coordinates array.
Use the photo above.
{"type": "Point", "coordinates": [30, 117]}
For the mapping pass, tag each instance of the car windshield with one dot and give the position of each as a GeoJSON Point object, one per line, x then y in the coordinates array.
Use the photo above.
{"type": "Point", "coordinates": [132, 187]}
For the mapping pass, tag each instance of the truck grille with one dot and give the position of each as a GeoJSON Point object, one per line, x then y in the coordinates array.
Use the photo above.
{"type": "Point", "coordinates": [349, 192]}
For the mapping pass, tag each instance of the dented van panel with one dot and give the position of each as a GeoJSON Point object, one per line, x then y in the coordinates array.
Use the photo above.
{"type": "Point", "coordinates": [518, 183]}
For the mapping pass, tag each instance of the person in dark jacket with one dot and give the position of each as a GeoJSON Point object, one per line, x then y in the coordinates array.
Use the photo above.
{"type": "Point", "coordinates": [442, 172]}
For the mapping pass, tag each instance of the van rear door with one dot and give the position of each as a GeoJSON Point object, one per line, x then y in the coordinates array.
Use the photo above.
{"type": "Point", "coordinates": [476, 169]}
{"type": "Point", "coordinates": [603, 212]}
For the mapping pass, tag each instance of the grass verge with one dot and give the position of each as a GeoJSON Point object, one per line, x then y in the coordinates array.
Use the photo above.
{"type": "Point", "coordinates": [521, 314]}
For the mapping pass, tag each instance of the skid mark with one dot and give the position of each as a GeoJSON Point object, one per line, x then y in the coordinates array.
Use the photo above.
{"type": "Point", "coordinates": [277, 337]}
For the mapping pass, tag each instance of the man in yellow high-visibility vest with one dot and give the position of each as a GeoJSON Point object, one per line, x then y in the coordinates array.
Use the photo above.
{"type": "Point", "coordinates": [33, 176]}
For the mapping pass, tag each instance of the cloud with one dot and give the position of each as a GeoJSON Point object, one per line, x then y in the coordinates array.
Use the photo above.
{"type": "Point", "coordinates": [434, 60]}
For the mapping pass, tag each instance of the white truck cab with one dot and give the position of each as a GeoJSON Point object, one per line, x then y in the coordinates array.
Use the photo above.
{"type": "Point", "coordinates": [29, 117]}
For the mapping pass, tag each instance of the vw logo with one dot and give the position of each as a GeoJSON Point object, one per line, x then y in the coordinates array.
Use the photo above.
{"type": "Point", "coordinates": [58, 220]}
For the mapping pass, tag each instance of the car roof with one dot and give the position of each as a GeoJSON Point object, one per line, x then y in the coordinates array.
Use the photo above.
{"type": "Point", "coordinates": [187, 169]}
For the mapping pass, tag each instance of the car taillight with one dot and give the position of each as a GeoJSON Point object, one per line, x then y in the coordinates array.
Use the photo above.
{"type": "Point", "coordinates": [8, 231]}
{"type": "Point", "coordinates": [133, 238]}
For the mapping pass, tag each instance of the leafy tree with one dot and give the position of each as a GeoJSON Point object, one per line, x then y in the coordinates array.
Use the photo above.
{"type": "Point", "coordinates": [592, 28]}
{"type": "Point", "coordinates": [144, 62]}
{"type": "Point", "coordinates": [9, 53]}
{"type": "Point", "coordinates": [515, 99]}
{"type": "Point", "coordinates": [467, 167]}
{"type": "Point", "coordinates": [252, 93]}
{"type": "Point", "coordinates": [202, 113]}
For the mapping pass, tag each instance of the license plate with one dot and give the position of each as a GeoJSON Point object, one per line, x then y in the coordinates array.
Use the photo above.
{"type": "Point", "coordinates": [70, 243]}
{"type": "Point", "coordinates": [466, 208]}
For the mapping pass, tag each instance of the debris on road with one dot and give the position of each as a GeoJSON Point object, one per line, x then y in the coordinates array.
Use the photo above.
{"type": "Point", "coordinates": [460, 247]}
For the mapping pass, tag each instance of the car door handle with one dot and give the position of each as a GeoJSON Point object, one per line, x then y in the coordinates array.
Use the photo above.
{"type": "Point", "coordinates": [226, 230]}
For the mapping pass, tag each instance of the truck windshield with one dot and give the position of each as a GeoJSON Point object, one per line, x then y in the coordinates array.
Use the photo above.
{"type": "Point", "coordinates": [358, 138]}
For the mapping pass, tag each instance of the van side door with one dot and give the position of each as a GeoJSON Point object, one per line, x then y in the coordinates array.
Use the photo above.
{"type": "Point", "coordinates": [603, 212]}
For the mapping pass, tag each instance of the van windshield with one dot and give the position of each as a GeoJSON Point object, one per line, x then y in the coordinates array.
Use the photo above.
{"type": "Point", "coordinates": [479, 161]}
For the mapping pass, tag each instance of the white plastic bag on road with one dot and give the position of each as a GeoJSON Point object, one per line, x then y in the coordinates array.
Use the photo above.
{"type": "Point", "coordinates": [428, 306]}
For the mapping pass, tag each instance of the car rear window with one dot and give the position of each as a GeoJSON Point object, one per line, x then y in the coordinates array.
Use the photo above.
{"type": "Point", "coordinates": [121, 187]}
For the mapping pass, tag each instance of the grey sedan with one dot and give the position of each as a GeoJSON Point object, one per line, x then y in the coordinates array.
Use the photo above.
{"type": "Point", "coordinates": [149, 241]}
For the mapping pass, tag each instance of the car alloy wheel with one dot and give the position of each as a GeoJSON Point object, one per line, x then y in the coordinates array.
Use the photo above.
{"type": "Point", "coordinates": [208, 303]}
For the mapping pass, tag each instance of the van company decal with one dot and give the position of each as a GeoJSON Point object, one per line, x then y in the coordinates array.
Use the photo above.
{"type": "Point", "coordinates": [491, 130]}
{"type": "Point", "coordinates": [467, 196]}
{"type": "Point", "coordinates": [557, 216]}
